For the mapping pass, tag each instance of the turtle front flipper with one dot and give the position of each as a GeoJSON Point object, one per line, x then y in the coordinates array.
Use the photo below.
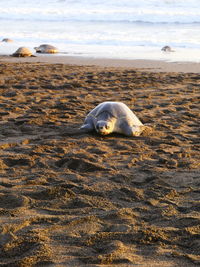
{"type": "Point", "coordinates": [137, 130]}
{"type": "Point", "coordinates": [88, 127]}
{"type": "Point", "coordinates": [142, 129]}
{"type": "Point", "coordinates": [133, 130]}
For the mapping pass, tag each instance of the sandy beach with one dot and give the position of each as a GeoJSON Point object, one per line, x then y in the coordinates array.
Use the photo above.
{"type": "Point", "coordinates": [69, 198]}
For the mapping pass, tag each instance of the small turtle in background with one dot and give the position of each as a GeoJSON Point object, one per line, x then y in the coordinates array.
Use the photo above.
{"type": "Point", "coordinates": [167, 48]}
{"type": "Point", "coordinates": [113, 117]}
{"type": "Point", "coordinates": [23, 52]}
{"type": "Point", "coordinates": [45, 48]}
{"type": "Point", "coordinates": [7, 40]}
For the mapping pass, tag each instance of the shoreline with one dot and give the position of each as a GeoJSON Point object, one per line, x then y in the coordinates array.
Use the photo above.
{"type": "Point", "coordinates": [139, 64]}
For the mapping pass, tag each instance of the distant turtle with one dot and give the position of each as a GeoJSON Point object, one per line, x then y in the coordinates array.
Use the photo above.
{"type": "Point", "coordinates": [23, 52]}
{"type": "Point", "coordinates": [113, 117]}
{"type": "Point", "coordinates": [167, 48]}
{"type": "Point", "coordinates": [7, 40]}
{"type": "Point", "coordinates": [45, 48]}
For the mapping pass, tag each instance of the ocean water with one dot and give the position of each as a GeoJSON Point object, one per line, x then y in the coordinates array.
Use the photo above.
{"type": "Point", "coordinates": [126, 29]}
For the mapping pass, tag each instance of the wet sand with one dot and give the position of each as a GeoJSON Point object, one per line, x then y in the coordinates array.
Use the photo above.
{"type": "Point", "coordinates": [74, 199]}
{"type": "Point", "coordinates": [140, 64]}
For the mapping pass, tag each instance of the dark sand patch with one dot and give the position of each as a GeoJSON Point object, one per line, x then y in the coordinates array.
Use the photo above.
{"type": "Point", "coordinates": [74, 199]}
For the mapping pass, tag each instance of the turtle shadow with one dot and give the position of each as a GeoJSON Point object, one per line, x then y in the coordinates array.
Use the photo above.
{"type": "Point", "coordinates": [148, 131]}
{"type": "Point", "coordinates": [97, 135]}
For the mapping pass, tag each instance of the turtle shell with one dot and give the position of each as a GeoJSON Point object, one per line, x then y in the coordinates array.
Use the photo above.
{"type": "Point", "coordinates": [22, 52]}
{"type": "Point", "coordinates": [46, 48]}
{"type": "Point", "coordinates": [7, 40]}
{"type": "Point", "coordinates": [167, 48]}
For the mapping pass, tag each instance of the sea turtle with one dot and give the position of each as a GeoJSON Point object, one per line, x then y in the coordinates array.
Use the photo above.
{"type": "Point", "coordinates": [7, 40]}
{"type": "Point", "coordinates": [109, 117]}
{"type": "Point", "coordinates": [167, 48]}
{"type": "Point", "coordinates": [23, 52]}
{"type": "Point", "coordinates": [45, 48]}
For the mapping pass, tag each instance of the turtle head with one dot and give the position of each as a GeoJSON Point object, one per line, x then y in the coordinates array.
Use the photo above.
{"type": "Point", "coordinates": [37, 49]}
{"type": "Point", "coordinates": [104, 127]}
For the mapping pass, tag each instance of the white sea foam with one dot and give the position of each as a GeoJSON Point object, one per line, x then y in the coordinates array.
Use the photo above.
{"type": "Point", "coordinates": [110, 28]}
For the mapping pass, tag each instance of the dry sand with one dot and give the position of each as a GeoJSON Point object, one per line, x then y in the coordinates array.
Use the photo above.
{"type": "Point", "coordinates": [74, 199]}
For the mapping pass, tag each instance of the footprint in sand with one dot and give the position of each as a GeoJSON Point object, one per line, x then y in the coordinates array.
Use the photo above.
{"type": "Point", "coordinates": [11, 162]}
{"type": "Point", "coordinates": [12, 201]}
